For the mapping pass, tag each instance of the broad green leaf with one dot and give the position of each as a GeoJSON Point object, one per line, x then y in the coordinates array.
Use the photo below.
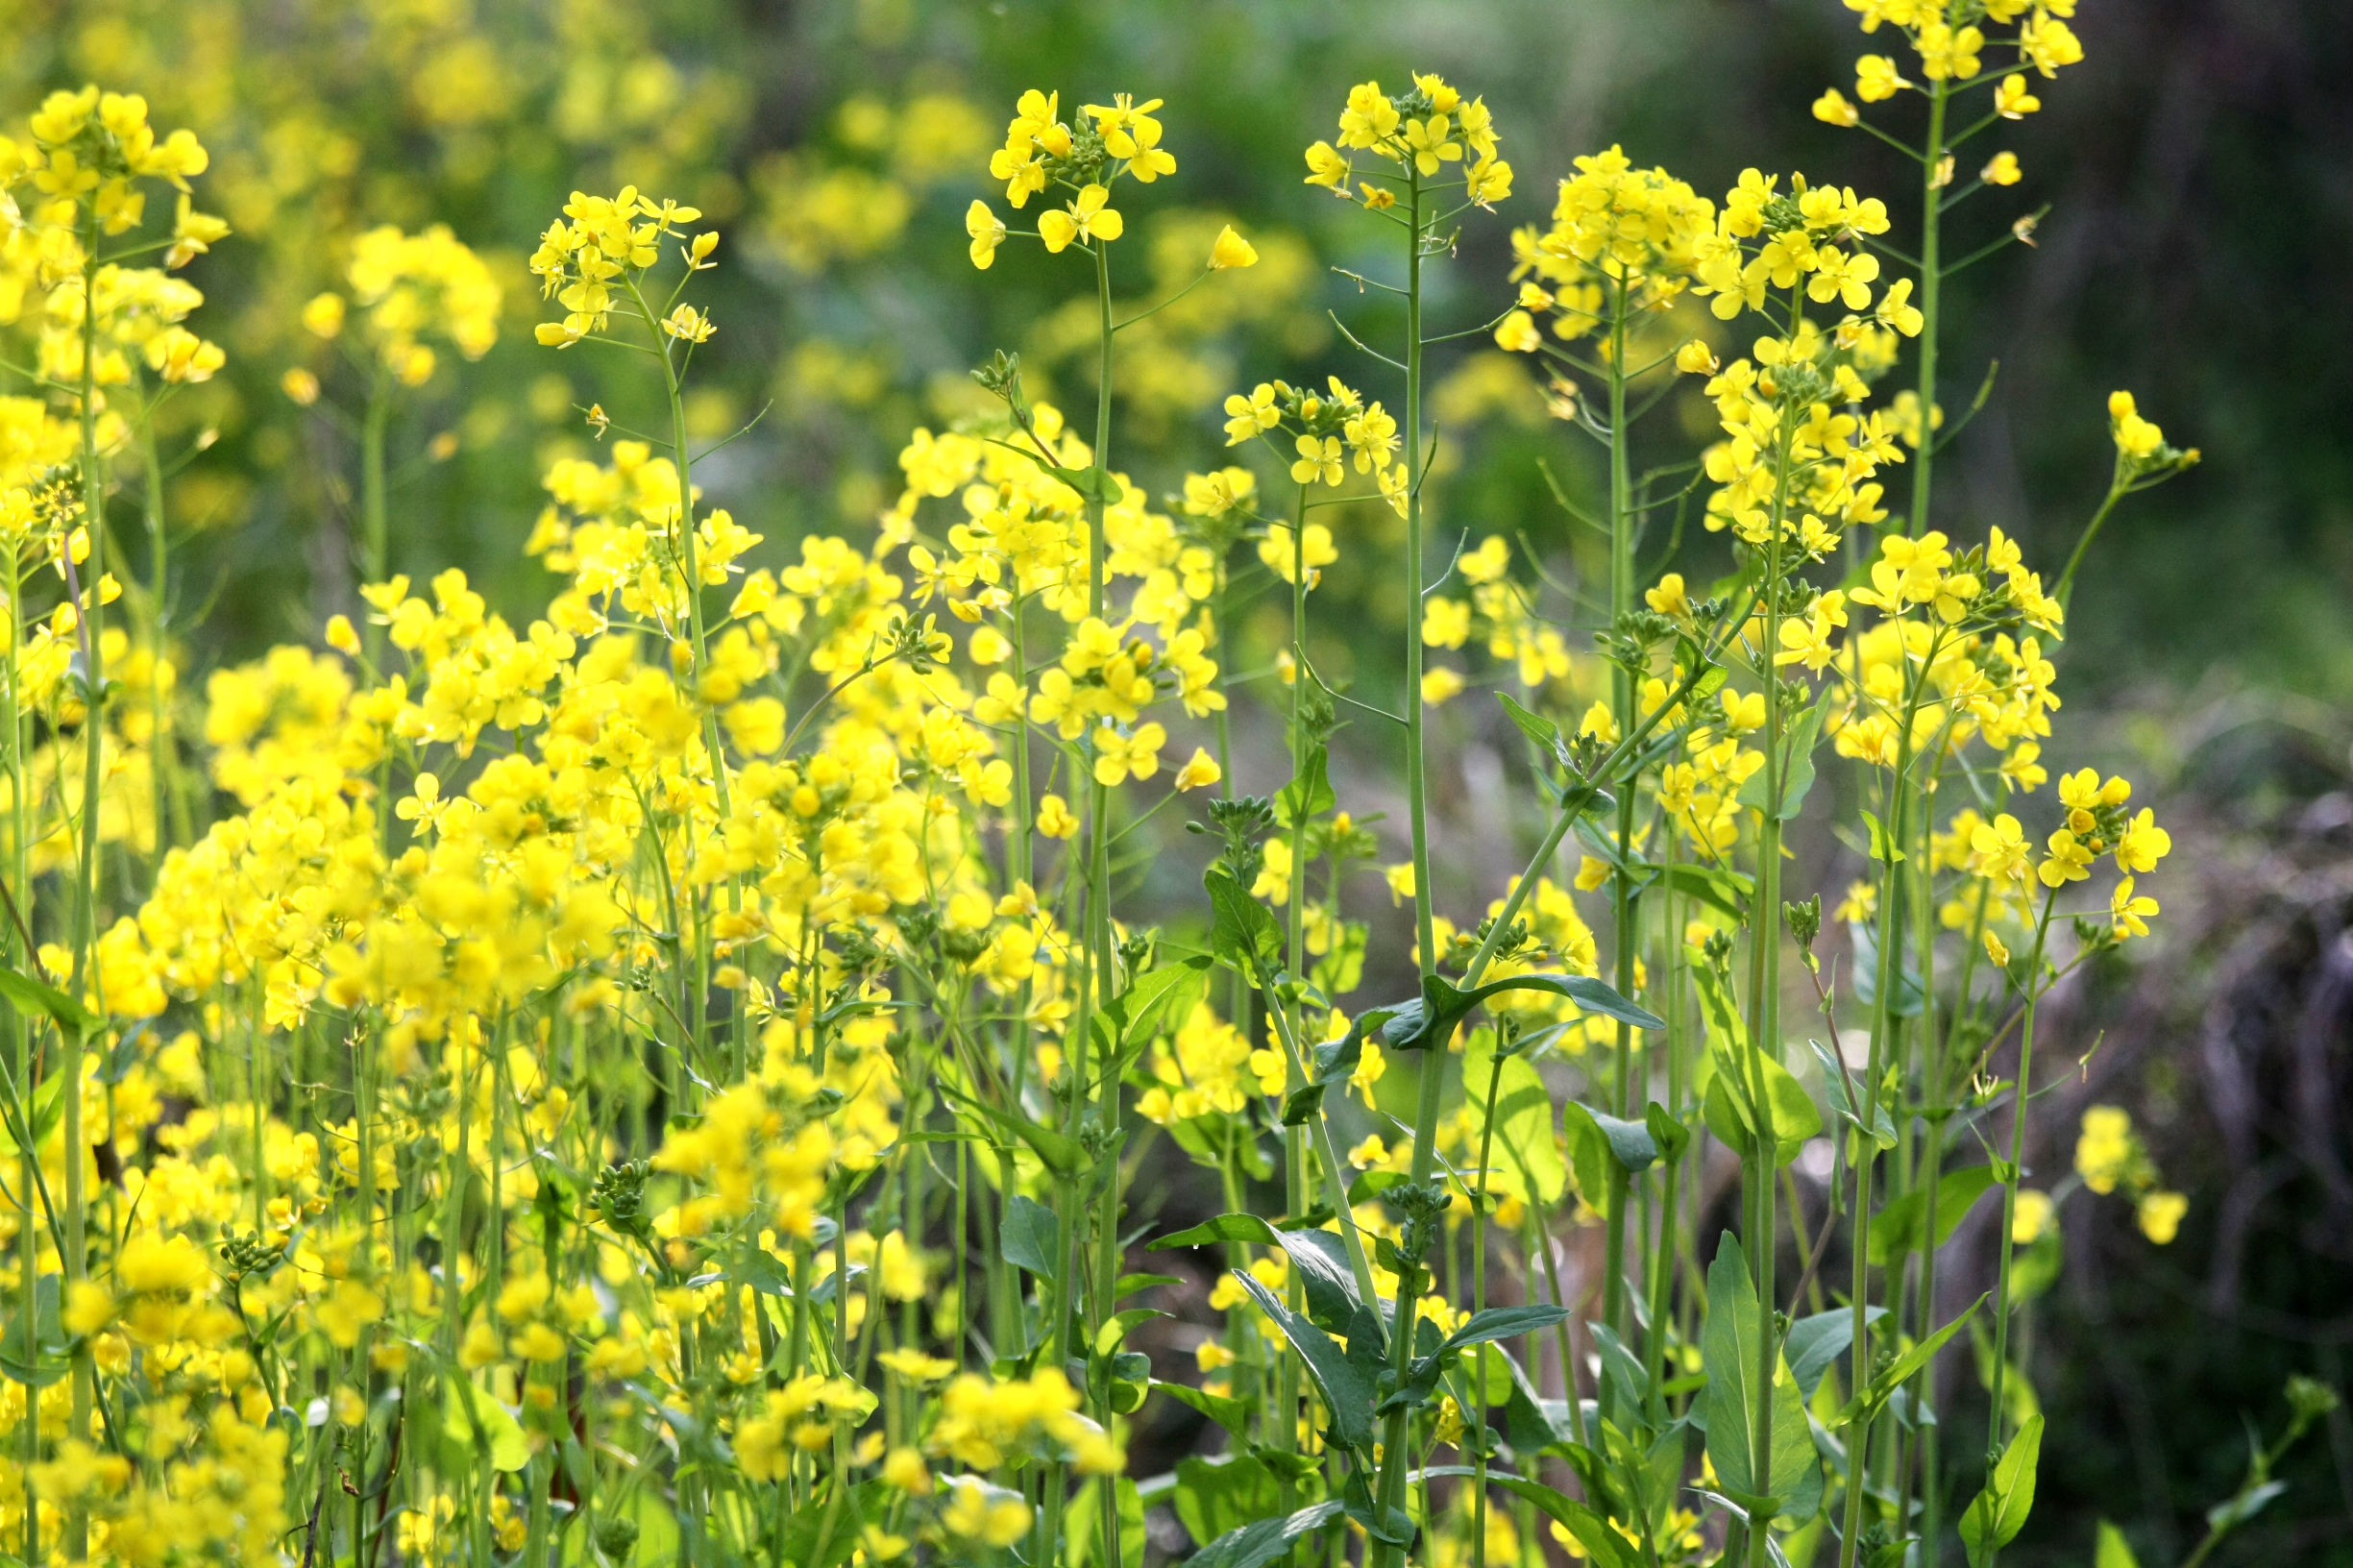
{"type": "Point", "coordinates": [1896, 1373]}
{"type": "Point", "coordinates": [1526, 1159]}
{"type": "Point", "coordinates": [1863, 937]}
{"type": "Point", "coordinates": [1999, 1512]}
{"type": "Point", "coordinates": [1319, 1256]}
{"type": "Point", "coordinates": [1669, 1135]}
{"type": "Point", "coordinates": [32, 1349]}
{"type": "Point", "coordinates": [1031, 1236]}
{"type": "Point", "coordinates": [1603, 1545]}
{"type": "Point", "coordinates": [1243, 935]}
{"type": "Point", "coordinates": [1881, 1130]}
{"type": "Point", "coordinates": [1789, 1471]}
{"type": "Point", "coordinates": [1535, 726]}
{"type": "Point", "coordinates": [31, 996]}
{"type": "Point", "coordinates": [474, 1420]}
{"type": "Point", "coordinates": [1059, 1154]}
{"type": "Point", "coordinates": [1799, 777]}
{"type": "Point", "coordinates": [1496, 1323]}
{"type": "Point", "coordinates": [822, 1537]}
{"type": "Point", "coordinates": [1152, 999]}
{"type": "Point", "coordinates": [1309, 796]}
{"type": "Point", "coordinates": [1269, 1540]}
{"type": "Point", "coordinates": [1083, 1524]}
{"type": "Point", "coordinates": [1897, 1230]}
{"type": "Point", "coordinates": [1600, 1146]}
{"type": "Point", "coordinates": [48, 1108]}
{"type": "Point", "coordinates": [1815, 1343]}
{"type": "Point", "coordinates": [1233, 1415]}
{"type": "Point", "coordinates": [1726, 891]}
{"type": "Point", "coordinates": [1347, 1390]}
{"type": "Point", "coordinates": [1217, 1496]}
{"type": "Point", "coordinates": [1882, 852]}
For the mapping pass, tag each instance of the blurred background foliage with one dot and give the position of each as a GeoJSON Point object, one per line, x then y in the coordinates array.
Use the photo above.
{"type": "Point", "coordinates": [2198, 248]}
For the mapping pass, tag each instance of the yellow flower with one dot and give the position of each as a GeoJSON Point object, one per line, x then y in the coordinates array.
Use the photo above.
{"type": "Point", "coordinates": [2033, 1217]}
{"type": "Point", "coordinates": [1876, 77]}
{"type": "Point", "coordinates": [1054, 817]}
{"type": "Point", "coordinates": [1229, 250]}
{"type": "Point", "coordinates": [1119, 757]}
{"type": "Point", "coordinates": [2001, 169]}
{"type": "Point", "coordinates": [1440, 684]}
{"type": "Point", "coordinates": [1517, 333]}
{"type": "Point", "coordinates": [1369, 118]}
{"type": "Point", "coordinates": [1200, 771]}
{"type": "Point", "coordinates": [1999, 849]}
{"type": "Point", "coordinates": [2104, 1148]}
{"type": "Point", "coordinates": [1085, 218]}
{"type": "Point", "coordinates": [1834, 107]}
{"type": "Point", "coordinates": [2128, 912]}
{"type": "Point", "coordinates": [988, 232]}
{"type": "Point", "coordinates": [2160, 1214]}
{"type": "Point", "coordinates": [2143, 843]}
{"type": "Point", "coordinates": [1247, 414]}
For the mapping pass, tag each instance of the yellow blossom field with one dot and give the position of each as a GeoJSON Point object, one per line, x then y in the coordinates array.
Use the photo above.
{"type": "Point", "coordinates": [1153, 971]}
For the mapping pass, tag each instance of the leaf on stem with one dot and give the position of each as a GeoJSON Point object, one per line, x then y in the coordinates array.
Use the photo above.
{"type": "Point", "coordinates": [1999, 1512]}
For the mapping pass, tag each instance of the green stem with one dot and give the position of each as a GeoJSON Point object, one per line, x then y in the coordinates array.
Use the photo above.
{"type": "Point", "coordinates": [85, 908]}
{"type": "Point", "coordinates": [1395, 1458]}
{"type": "Point", "coordinates": [1932, 281]}
{"type": "Point", "coordinates": [2020, 1100]}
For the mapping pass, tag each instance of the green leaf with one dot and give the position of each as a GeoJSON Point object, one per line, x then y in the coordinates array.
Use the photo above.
{"type": "Point", "coordinates": [1219, 1494]}
{"type": "Point", "coordinates": [1671, 1136]}
{"type": "Point", "coordinates": [1896, 1231]}
{"type": "Point", "coordinates": [1535, 726]}
{"type": "Point", "coordinates": [1790, 1471]}
{"type": "Point", "coordinates": [1083, 1524]}
{"type": "Point", "coordinates": [1142, 1010]}
{"type": "Point", "coordinates": [1731, 1116]}
{"type": "Point", "coordinates": [1233, 1415]}
{"type": "Point", "coordinates": [1896, 1373]}
{"type": "Point", "coordinates": [2112, 1551]}
{"type": "Point", "coordinates": [1308, 794]}
{"type": "Point", "coordinates": [1336, 1059]}
{"type": "Point", "coordinates": [1319, 1256]}
{"type": "Point", "coordinates": [1882, 852]}
{"type": "Point", "coordinates": [1269, 1540]}
{"type": "Point", "coordinates": [1864, 939]}
{"type": "Point", "coordinates": [1881, 1130]}
{"type": "Point", "coordinates": [474, 1420]}
{"type": "Point", "coordinates": [1347, 1390]}
{"type": "Point", "coordinates": [48, 1105]}
{"type": "Point", "coordinates": [29, 996]}
{"type": "Point", "coordinates": [1446, 1006]}
{"type": "Point", "coordinates": [1600, 1145]}
{"type": "Point", "coordinates": [1726, 891]}
{"type": "Point", "coordinates": [1061, 1155]}
{"type": "Point", "coordinates": [1603, 1546]}
{"type": "Point", "coordinates": [32, 1349]}
{"type": "Point", "coordinates": [1814, 1343]}
{"type": "Point", "coordinates": [1522, 1121]}
{"type": "Point", "coordinates": [1800, 739]}
{"type": "Point", "coordinates": [1243, 936]}
{"type": "Point", "coordinates": [822, 1537]}
{"type": "Point", "coordinates": [1999, 1512]}
{"type": "Point", "coordinates": [1503, 1323]}
{"type": "Point", "coordinates": [1031, 1236]}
